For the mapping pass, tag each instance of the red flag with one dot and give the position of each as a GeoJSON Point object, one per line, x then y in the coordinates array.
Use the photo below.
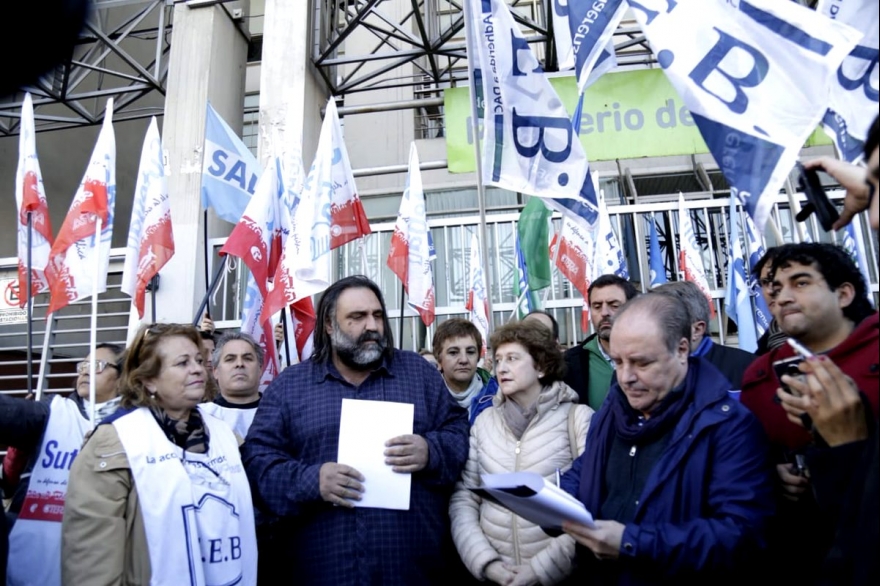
{"type": "Point", "coordinates": [76, 250]}
{"type": "Point", "coordinates": [348, 218]}
{"type": "Point", "coordinates": [150, 239]}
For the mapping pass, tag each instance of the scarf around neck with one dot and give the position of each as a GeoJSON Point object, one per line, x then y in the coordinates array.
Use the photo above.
{"type": "Point", "coordinates": [632, 427]}
{"type": "Point", "coordinates": [465, 399]}
{"type": "Point", "coordinates": [517, 418]}
{"type": "Point", "coordinates": [191, 434]}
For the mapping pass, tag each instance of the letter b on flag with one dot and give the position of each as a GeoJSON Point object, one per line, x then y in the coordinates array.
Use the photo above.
{"type": "Point", "coordinates": [542, 123]}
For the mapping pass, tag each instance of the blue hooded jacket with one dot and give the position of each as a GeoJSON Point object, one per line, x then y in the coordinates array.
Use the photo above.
{"type": "Point", "coordinates": [704, 508]}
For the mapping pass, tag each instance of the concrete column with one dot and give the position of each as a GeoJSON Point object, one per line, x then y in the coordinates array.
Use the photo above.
{"type": "Point", "coordinates": [208, 58]}
{"type": "Point", "coordinates": [291, 94]}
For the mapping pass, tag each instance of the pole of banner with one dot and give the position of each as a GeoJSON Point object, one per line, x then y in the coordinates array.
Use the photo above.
{"type": "Point", "coordinates": [284, 331]}
{"type": "Point", "coordinates": [794, 207]}
{"type": "Point", "coordinates": [363, 249]}
{"type": "Point", "coordinates": [400, 327]}
{"type": "Point", "coordinates": [93, 328]}
{"type": "Point", "coordinates": [211, 286]}
{"type": "Point", "coordinates": [30, 307]}
{"type": "Point", "coordinates": [155, 283]}
{"type": "Point", "coordinates": [44, 357]}
{"type": "Point", "coordinates": [207, 259]}
{"type": "Point", "coordinates": [481, 191]}
{"type": "Point", "coordinates": [774, 229]}
{"type": "Point", "coordinates": [518, 303]}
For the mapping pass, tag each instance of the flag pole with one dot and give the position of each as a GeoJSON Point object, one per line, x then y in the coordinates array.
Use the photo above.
{"type": "Point", "coordinates": [363, 250]}
{"type": "Point", "coordinates": [284, 330]}
{"type": "Point", "coordinates": [400, 327]}
{"type": "Point", "coordinates": [518, 303]}
{"type": "Point", "coordinates": [30, 307]}
{"type": "Point", "coordinates": [481, 191]}
{"type": "Point", "coordinates": [213, 285]}
{"type": "Point", "coordinates": [207, 253]}
{"type": "Point", "coordinates": [93, 328]}
{"type": "Point", "coordinates": [155, 285]}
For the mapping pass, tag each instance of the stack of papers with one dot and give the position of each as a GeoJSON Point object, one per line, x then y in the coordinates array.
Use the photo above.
{"type": "Point", "coordinates": [531, 497]}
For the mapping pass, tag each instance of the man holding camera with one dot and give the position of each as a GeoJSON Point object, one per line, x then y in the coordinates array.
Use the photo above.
{"type": "Point", "coordinates": [821, 302]}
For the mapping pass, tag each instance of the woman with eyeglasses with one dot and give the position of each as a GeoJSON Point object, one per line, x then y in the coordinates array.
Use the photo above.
{"type": "Point", "coordinates": [44, 438]}
{"type": "Point", "coordinates": [158, 494]}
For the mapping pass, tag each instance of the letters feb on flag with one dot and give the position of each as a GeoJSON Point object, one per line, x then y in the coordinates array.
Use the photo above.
{"type": "Point", "coordinates": [150, 238]}
{"type": "Point", "coordinates": [529, 145]}
{"type": "Point", "coordinates": [31, 200]}
{"type": "Point", "coordinates": [409, 256]}
{"type": "Point", "coordinates": [756, 76]}
{"type": "Point", "coordinates": [72, 261]}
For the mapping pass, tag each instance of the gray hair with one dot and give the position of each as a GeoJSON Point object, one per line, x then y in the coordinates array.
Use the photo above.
{"type": "Point", "coordinates": [231, 336]}
{"type": "Point", "coordinates": [693, 297]}
{"type": "Point", "coordinates": [667, 311]}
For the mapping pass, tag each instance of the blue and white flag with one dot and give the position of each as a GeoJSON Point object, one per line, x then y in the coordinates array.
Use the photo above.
{"type": "Point", "coordinates": [855, 247]}
{"type": "Point", "coordinates": [591, 26]}
{"type": "Point", "coordinates": [738, 300]}
{"type": "Point", "coordinates": [229, 170]}
{"type": "Point", "coordinates": [524, 296]}
{"type": "Point", "coordinates": [854, 92]}
{"type": "Point", "coordinates": [655, 260]}
{"type": "Point", "coordinates": [755, 251]}
{"type": "Point", "coordinates": [609, 257]}
{"type": "Point", "coordinates": [529, 145]}
{"type": "Point", "coordinates": [756, 76]}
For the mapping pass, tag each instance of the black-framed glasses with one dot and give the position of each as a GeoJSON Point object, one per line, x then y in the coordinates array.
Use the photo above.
{"type": "Point", "coordinates": [100, 366]}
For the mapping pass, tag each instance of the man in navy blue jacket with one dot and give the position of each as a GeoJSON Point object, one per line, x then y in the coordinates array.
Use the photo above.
{"type": "Point", "coordinates": [291, 451]}
{"type": "Point", "coordinates": [676, 473]}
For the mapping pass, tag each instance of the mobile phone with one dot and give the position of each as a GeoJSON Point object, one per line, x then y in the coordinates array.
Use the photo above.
{"type": "Point", "coordinates": [817, 200]}
{"type": "Point", "coordinates": [788, 366]}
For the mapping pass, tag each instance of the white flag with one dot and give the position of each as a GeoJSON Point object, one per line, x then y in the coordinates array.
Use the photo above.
{"type": "Point", "coordinates": [30, 197]}
{"type": "Point", "coordinates": [150, 240]}
{"type": "Point", "coordinates": [529, 145]}
{"type": "Point", "coordinates": [854, 91]}
{"type": "Point", "coordinates": [756, 76]}
{"type": "Point", "coordinates": [690, 261]}
{"type": "Point", "coordinates": [609, 257]}
{"type": "Point", "coordinates": [71, 269]}
{"type": "Point", "coordinates": [409, 256]}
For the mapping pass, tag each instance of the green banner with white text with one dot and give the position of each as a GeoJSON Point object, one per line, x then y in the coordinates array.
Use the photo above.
{"type": "Point", "coordinates": [626, 115]}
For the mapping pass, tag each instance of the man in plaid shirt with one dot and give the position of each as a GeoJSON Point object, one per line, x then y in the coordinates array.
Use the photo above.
{"type": "Point", "coordinates": [292, 445]}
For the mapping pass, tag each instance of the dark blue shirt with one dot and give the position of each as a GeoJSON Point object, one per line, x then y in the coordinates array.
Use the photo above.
{"type": "Point", "coordinates": [296, 430]}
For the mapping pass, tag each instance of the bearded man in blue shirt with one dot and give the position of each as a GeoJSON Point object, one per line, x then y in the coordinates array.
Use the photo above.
{"type": "Point", "coordinates": [291, 451]}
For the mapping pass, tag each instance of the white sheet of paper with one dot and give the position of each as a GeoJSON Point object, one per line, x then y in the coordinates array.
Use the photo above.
{"type": "Point", "coordinates": [364, 427]}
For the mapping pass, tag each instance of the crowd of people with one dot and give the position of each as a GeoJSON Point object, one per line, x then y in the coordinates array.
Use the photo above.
{"type": "Point", "coordinates": [700, 463]}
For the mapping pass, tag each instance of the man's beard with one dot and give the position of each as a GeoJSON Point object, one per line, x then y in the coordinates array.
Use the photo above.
{"type": "Point", "coordinates": [604, 334]}
{"type": "Point", "coordinates": [358, 354]}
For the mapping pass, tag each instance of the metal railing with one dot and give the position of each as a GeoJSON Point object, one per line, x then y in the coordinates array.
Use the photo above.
{"type": "Point", "coordinates": [452, 239]}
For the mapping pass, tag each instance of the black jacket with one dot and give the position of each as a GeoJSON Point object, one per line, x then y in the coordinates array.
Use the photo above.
{"type": "Point", "coordinates": [732, 362]}
{"type": "Point", "coordinates": [577, 373]}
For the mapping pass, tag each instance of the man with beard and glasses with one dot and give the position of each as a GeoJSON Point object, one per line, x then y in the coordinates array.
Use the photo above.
{"type": "Point", "coordinates": [590, 368]}
{"type": "Point", "coordinates": [291, 451]}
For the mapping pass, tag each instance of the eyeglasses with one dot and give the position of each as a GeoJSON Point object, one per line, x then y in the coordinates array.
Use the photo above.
{"type": "Point", "coordinates": [100, 366]}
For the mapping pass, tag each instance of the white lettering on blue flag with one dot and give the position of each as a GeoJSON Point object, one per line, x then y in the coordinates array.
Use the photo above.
{"type": "Point", "coordinates": [854, 92]}
{"type": "Point", "coordinates": [229, 170]}
{"type": "Point", "coordinates": [755, 75]}
{"type": "Point", "coordinates": [592, 24]}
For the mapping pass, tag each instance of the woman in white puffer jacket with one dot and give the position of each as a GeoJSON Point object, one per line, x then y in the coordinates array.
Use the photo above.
{"type": "Point", "coordinates": [535, 425]}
